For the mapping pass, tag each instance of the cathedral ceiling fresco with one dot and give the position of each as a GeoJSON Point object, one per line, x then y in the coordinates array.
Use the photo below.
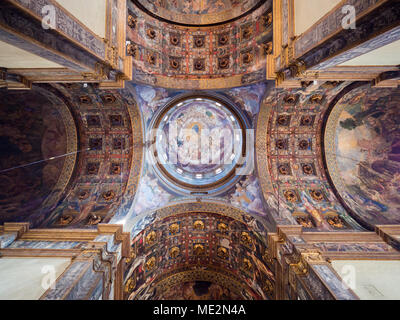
{"type": "Point", "coordinates": [198, 217]}
{"type": "Point", "coordinates": [289, 185]}
{"type": "Point", "coordinates": [225, 56]}
{"type": "Point", "coordinates": [198, 290]}
{"type": "Point", "coordinates": [229, 251]}
{"type": "Point", "coordinates": [290, 163]}
{"type": "Point", "coordinates": [198, 12]}
{"type": "Point", "coordinates": [36, 131]}
{"type": "Point", "coordinates": [362, 150]}
{"type": "Point", "coordinates": [211, 141]}
{"type": "Point", "coordinates": [207, 246]}
{"type": "Point", "coordinates": [110, 162]}
{"type": "Point", "coordinates": [243, 193]}
{"type": "Point", "coordinates": [93, 142]}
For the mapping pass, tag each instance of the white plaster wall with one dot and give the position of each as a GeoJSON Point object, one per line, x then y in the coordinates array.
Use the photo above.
{"type": "Point", "coordinates": [308, 12]}
{"type": "Point", "coordinates": [22, 278]}
{"type": "Point", "coordinates": [92, 13]}
{"type": "Point", "coordinates": [13, 57]}
{"type": "Point", "coordinates": [374, 280]}
{"type": "Point", "coordinates": [384, 56]}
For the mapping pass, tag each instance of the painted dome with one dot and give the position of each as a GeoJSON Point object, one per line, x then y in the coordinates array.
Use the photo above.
{"type": "Point", "coordinates": [199, 12]}
{"type": "Point", "coordinates": [199, 142]}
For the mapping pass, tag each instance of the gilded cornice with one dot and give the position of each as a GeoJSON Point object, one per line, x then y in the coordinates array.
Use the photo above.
{"type": "Point", "coordinates": [137, 150]}
{"type": "Point", "coordinates": [261, 149]}
{"type": "Point", "coordinates": [207, 207]}
{"type": "Point", "coordinates": [69, 159]}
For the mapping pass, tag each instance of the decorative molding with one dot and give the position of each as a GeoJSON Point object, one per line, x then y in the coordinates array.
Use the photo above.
{"type": "Point", "coordinates": [326, 44]}
{"type": "Point", "coordinates": [86, 56]}
{"type": "Point", "coordinates": [304, 260]}
{"type": "Point", "coordinates": [97, 258]}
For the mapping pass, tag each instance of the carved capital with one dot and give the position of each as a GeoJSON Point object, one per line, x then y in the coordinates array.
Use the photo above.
{"type": "Point", "coordinates": [298, 69]}
{"type": "Point", "coordinates": [300, 268]}
{"type": "Point", "coordinates": [312, 256]}
{"type": "Point", "coordinates": [101, 72]}
{"type": "Point", "coordinates": [280, 78]}
{"type": "Point", "coordinates": [306, 258]}
{"type": "Point", "coordinates": [112, 56]}
{"type": "Point", "coordinates": [267, 257]}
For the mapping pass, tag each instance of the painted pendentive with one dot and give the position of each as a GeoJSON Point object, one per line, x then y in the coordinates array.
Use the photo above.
{"type": "Point", "coordinates": [244, 193]}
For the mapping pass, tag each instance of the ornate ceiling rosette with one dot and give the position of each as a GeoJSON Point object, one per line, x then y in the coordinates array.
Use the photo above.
{"type": "Point", "coordinates": [199, 143]}
{"type": "Point", "coordinates": [198, 12]}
